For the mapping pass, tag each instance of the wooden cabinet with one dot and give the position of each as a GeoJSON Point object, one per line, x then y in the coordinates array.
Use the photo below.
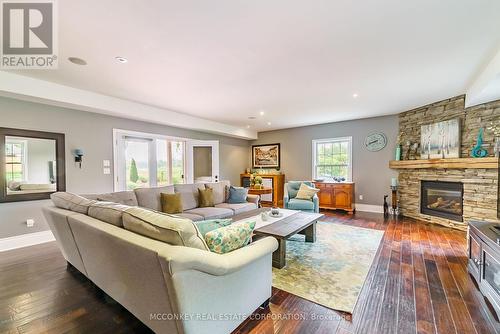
{"type": "Point", "coordinates": [336, 195]}
{"type": "Point", "coordinates": [274, 181]}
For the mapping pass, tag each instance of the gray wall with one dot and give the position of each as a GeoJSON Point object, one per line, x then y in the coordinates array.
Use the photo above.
{"type": "Point", "coordinates": [93, 133]}
{"type": "Point", "coordinates": [370, 169]}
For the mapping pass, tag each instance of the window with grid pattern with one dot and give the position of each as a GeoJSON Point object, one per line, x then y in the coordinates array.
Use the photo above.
{"type": "Point", "coordinates": [15, 160]}
{"type": "Point", "coordinates": [332, 158]}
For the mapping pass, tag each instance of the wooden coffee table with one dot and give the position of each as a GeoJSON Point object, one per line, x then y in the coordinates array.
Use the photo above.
{"type": "Point", "coordinates": [301, 223]}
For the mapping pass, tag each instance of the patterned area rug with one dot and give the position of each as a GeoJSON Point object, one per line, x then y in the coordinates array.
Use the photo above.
{"type": "Point", "coordinates": [330, 272]}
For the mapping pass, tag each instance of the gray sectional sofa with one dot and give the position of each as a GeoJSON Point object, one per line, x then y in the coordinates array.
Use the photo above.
{"type": "Point", "coordinates": [149, 198]}
{"type": "Point", "coordinates": [173, 286]}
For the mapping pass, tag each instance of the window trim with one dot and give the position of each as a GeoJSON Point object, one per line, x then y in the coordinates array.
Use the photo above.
{"type": "Point", "coordinates": [330, 140]}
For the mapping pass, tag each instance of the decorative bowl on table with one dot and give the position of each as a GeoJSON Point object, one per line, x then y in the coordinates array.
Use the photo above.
{"type": "Point", "coordinates": [275, 212]}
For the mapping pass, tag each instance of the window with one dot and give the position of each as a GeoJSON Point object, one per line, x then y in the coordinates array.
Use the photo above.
{"type": "Point", "coordinates": [332, 158]}
{"type": "Point", "coordinates": [15, 160]}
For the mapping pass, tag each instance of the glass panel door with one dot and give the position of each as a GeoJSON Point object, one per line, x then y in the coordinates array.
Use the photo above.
{"type": "Point", "coordinates": [177, 148]}
{"type": "Point", "coordinates": [491, 271]}
{"type": "Point", "coordinates": [202, 161]}
{"type": "Point", "coordinates": [137, 163]}
{"type": "Point", "coordinates": [163, 163]}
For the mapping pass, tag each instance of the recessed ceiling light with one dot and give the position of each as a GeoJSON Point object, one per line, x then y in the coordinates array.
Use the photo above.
{"type": "Point", "coordinates": [248, 126]}
{"type": "Point", "coordinates": [77, 61]}
{"type": "Point", "coordinates": [122, 60]}
{"type": "Point", "coordinates": [251, 117]}
{"type": "Point", "coordinates": [268, 123]}
{"type": "Point", "coordinates": [262, 112]}
{"type": "Point", "coordinates": [355, 95]}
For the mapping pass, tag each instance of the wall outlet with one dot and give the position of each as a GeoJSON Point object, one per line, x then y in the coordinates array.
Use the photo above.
{"type": "Point", "coordinates": [30, 222]}
{"type": "Point", "coordinates": [360, 197]}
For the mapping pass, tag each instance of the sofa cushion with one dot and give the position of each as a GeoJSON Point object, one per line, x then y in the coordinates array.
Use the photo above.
{"type": "Point", "coordinates": [189, 193]}
{"type": "Point", "coordinates": [121, 197]}
{"type": "Point", "coordinates": [206, 197]}
{"type": "Point", "coordinates": [191, 216]}
{"type": "Point", "coordinates": [205, 226]}
{"type": "Point", "coordinates": [237, 195]}
{"type": "Point", "coordinates": [228, 238]}
{"type": "Point", "coordinates": [300, 204]}
{"type": "Point", "coordinates": [238, 207]}
{"type": "Point", "coordinates": [71, 202]}
{"type": "Point", "coordinates": [220, 191]}
{"type": "Point", "coordinates": [306, 192]}
{"type": "Point", "coordinates": [108, 212]}
{"type": "Point", "coordinates": [150, 197]}
{"type": "Point", "coordinates": [172, 229]}
{"type": "Point", "coordinates": [211, 213]}
{"type": "Point", "coordinates": [171, 203]}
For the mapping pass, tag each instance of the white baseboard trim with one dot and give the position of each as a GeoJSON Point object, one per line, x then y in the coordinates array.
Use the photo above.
{"type": "Point", "coordinates": [369, 208]}
{"type": "Point", "coordinates": [25, 240]}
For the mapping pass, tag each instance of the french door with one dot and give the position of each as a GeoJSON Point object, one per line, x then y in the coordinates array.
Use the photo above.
{"type": "Point", "coordinates": [143, 160]}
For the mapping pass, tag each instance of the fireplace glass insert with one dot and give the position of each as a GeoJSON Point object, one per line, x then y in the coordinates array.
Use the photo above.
{"type": "Point", "coordinates": [442, 199]}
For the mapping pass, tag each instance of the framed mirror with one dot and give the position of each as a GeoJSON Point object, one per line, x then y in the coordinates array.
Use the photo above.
{"type": "Point", "coordinates": [32, 164]}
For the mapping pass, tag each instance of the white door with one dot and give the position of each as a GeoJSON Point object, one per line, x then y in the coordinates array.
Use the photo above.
{"type": "Point", "coordinates": [136, 163]}
{"type": "Point", "coordinates": [202, 161]}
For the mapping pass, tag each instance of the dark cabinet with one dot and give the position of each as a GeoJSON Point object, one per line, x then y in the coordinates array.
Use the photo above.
{"type": "Point", "coordinates": [484, 260]}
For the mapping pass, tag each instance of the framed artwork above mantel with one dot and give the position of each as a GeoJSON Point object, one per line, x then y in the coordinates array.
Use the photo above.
{"type": "Point", "coordinates": [266, 156]}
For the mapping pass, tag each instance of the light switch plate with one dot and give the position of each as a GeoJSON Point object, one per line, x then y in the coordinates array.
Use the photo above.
{"type": "Point", "coordinates": [30, 222]}
{"type": "Point", "coordinates": [106, 163]}
{"type": "Point", "coordinates": [107, 171]}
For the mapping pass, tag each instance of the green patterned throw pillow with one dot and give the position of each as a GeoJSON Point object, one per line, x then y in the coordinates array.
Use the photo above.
{"type": "Point", "coordinates": [226, 239]}
{"type": "Point", "coordinates": [206, 226]}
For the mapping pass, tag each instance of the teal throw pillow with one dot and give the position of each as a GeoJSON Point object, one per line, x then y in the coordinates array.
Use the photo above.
{"type": "Point", "coordinates": [237, 195]}
{"type": "Point", "coordinates": [206, 226]}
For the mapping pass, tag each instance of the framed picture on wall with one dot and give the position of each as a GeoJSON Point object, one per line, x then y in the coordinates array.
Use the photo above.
{"type": "Point", "coordinates": [440, 140]}
{"type": "Point", "coordinates": [266, 156]}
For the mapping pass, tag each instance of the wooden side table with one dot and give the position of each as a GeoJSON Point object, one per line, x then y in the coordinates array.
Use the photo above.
{"type": "Point", "coordinates": [263, 191]}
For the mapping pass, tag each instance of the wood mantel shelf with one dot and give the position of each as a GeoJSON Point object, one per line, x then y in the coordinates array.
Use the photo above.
{"type": "Point", "coordinates": [459, 163]}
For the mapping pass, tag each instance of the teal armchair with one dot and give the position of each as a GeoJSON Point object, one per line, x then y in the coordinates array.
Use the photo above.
{"type": "Point", "coordinates": [292, 203]}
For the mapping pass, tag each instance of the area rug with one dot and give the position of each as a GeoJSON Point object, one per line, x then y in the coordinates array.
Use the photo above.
{"type": "Point", "coordinates": [330, 272]}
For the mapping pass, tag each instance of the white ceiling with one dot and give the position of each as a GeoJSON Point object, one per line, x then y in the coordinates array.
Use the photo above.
{"type": "Point", "coordinates": [299, 61]}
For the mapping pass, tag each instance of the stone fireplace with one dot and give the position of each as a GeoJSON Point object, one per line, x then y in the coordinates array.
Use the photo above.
{"type": "Point", "coordinates": [476, 182]}
{"type": "Point", "coordinates": [442, 199]}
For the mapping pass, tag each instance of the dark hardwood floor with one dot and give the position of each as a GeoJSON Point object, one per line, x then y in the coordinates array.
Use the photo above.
{"type": "Point", "coordinates": [417, 284]}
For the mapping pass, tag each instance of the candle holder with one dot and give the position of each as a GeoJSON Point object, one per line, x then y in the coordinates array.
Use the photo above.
{"type": "Point", "coordinates": [394, 210]}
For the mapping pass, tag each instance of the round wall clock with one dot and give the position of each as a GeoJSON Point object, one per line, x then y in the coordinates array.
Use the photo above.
{"type": "Point", "coordinates": [375, 142]}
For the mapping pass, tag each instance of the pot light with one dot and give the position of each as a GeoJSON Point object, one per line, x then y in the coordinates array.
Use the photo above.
{"type": "Point", "coordinates": [122, 60]}
{"type": "Point", "coordinates": [262, 112]}
{"type": "Point", "coordinates": [355, 95]}
{"type": "Point", "coordinates": [268, 123]}
{"type": "Point", "coordinates": [77, 61]}
{"type": "Point", "coordinates": [248, 126]}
